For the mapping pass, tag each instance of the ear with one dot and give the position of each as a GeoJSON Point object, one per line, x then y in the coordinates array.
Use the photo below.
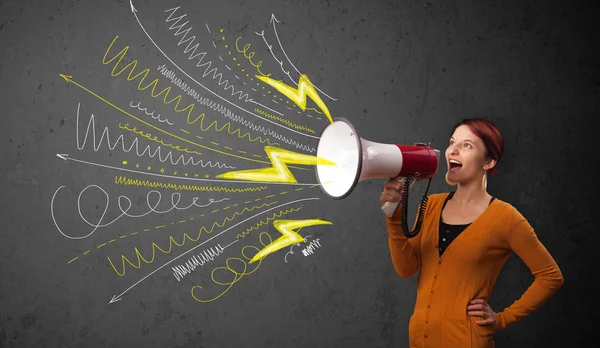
{"type": "Point", "coordinates": [489, 164]}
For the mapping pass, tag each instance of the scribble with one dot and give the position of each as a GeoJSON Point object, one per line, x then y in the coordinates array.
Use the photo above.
{"type": "Point", "coordinates": [91, 127]}
{"type": "Point", "coordinates": [266, 221]}
{"type": "Point", "coordinates": [249, 56]}
{"type": "Point", "coordinates": [175, 200]}
{"type": "Point", "coordinates": [237, 275]}
{"type": "Point", "coordinates": [123, 180]}
{"type": "Point", "coordinates": [199, 260]}
{"type": "Point", "coordinates": [283, 120]}
{"type": "Point", "coordinates": [223, 110]}
{"type": "Point", "coordinates": [310, 249]}
{"type": "Point", "coordinates": [145, 110]}
{"type": "Point", "coordinates": [291, 252]}
{"type": "Point", "coordinates": [131, 66]}
{"type": "Point", "coordinates": [191, 47]}
{"type": "Point", "coordinates": [140, 258]}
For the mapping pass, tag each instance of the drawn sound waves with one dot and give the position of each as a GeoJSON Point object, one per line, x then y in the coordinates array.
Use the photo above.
{"type": "Point", "coordinates": [123, 180]}
{"type": "Point", "coordinates": [265, 222]}
{"type": "Point", "coordinates": [135, 144]}
{"type": "Point", "coordinates": [139, 258]}
{"type": "Point", "coordinates": [177, 99]}
{"type": "Point", "coordinates": [284, 121]}
{"type": "Point", "coordinates": [170, 74]}
{"type": "Point", "coordinates": [191, 47]}
{"type": "Point", "coordinates": [197, 261]}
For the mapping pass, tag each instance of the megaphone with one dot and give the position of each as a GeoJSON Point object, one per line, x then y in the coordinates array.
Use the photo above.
{"type": "Point", "coordinates": [358, 159]}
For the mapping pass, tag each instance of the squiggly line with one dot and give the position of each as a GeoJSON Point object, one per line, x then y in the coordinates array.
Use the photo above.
{"type": "Point", "coordinates": [145, 110]}
{"type": "Point", "coordinates": [170, 74]}
{"type": "Point", "coordinates": [237, 275]}
{"type": "Point", "coordinates": [172, 241]}
{"type": "Point", "coordinates": [175, 198]}
{"type": "Point", "coordinates": [155, 138]}
{"type": "Point", "coordinates": [177, 99]}
{"type": "Point", "coordinates": [135, 144]}
{"type": "Point", "coordinates": [265, 222]}
{"type": "Point", "coordinates": [191, 47]}
{"type": "Point", "coordinates": [288, 122]}
{"type": "Point", "coordinates": [123, 180]}
{"type": "Point", "coordinates": [249, 56]}
{"type": "Point", "coordinates": [199, 260]}
{"type": "Point", "coordinates": [291, 247]}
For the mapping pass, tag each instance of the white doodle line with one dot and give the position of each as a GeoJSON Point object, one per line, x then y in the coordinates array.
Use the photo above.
{"type": "Point", "coordinates": [118, 297]}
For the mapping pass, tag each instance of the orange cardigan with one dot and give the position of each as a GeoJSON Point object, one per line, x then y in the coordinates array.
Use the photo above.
{"type": "Point", "coordinates": [467, 270]}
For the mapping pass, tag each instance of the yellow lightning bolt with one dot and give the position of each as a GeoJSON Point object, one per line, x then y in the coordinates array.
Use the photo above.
{"type": "Point", "coordinates": [289, 235]}
{"type": "Point", "coordinates": [279, 172]}
{"type": "Point", "coordinates": [298, 95]}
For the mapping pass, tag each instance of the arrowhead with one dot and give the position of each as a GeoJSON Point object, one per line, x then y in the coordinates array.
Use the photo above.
{"type": "Point", "coordinates": [133, 9]}
{"type": "Point", "coordinates": [66, 77]}
{"type": "Point", "coordinates": [115, 298]}
{"type": "Point", "coordinates": [62, 156]}
{"type": "Point", "coordinates": [273, 18]}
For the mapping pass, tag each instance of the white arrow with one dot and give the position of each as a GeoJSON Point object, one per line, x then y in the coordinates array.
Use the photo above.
{"type": "Point", "coordinates": [116, 298]}
{"type": "Point", "coordinates": [134, 11]}
{"type": "Point", "coordinates": [67, 157]}
{"type": "Point", "coordinates": [273, 20]}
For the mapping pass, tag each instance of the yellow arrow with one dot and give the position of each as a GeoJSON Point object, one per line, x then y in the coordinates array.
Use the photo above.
{"type": "Point", "coordinates": [69, 79]}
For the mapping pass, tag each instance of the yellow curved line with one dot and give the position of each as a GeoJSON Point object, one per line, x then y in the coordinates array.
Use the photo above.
{"type": "Point", "coordinates": [283, 120]}
{"type": "Point", "coordinates": [249, 56]}
{"type": "Point", "coordinates": [155, 246]}
{"type": "Point", "coordinates": [155, 138]}
{"type": "Point", "coordinates": [177, 99]}
{"type": "Point", "coordinates": [123, 180]}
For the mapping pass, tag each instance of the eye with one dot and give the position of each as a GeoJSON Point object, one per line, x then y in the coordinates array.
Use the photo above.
{"type": "Point", "coordinates": [467, 144]}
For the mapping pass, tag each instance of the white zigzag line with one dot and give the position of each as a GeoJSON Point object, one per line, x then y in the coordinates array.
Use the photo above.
{"type": "Point", "coordinates": [202, 55]}
{"type": "Point", "coordinates": [170, 74]}
{"type": "Point", "coordinates": [135, 143]}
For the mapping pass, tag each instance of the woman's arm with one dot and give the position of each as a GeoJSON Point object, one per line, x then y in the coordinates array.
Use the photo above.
{"type": "Point", "coordinates": [523, 240]}
{"type": "Point", "coordinates": [406, 253]}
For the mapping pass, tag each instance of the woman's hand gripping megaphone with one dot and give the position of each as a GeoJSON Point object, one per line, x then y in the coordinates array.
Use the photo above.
{"type": "Point", "coordinates": [392, 194]}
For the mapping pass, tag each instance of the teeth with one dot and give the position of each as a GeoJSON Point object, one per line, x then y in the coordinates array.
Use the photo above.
{"type": "Point", "coordinates": [453, 161]}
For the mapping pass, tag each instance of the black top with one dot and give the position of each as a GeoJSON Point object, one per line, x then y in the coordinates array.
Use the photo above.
{"type": "Point", "coordinates": [449, 232]}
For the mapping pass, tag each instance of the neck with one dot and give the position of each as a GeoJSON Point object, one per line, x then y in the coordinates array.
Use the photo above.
{"type": "Point", "coordinates": [473, 191]}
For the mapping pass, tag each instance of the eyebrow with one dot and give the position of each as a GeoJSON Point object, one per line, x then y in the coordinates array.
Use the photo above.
{"type": "Point", "coordinates": [469, 140]}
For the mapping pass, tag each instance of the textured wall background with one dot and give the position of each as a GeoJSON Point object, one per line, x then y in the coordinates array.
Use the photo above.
{"type": "Point", "coordinates": [400, 71]}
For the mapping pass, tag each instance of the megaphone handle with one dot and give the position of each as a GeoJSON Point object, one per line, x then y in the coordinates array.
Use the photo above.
{"type": "Point", "coordinates": [389, 208]}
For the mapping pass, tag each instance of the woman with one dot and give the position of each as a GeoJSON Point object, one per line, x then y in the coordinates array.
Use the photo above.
{"type": "Point", "coordinates": [465, 239]}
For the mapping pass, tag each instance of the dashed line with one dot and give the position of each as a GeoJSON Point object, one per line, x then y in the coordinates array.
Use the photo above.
{"type": "Point", "coordinates": [207, 27]}
{"type": "Point", "coordinates": [111, 241]}
{"type": "Point", "coordinates": [183, 130]}
{"type": "Point", "coordinates": [160, 226]}
{"type": "Point", "coordinates": [300, 188]}
{"type": "Point", "coordinates": [123, 236]}
{"type": "Point", "coordinates": [283, 193]}
{"type": "Point", "coordinates": [134, 233]}
{"type": "Point", "coordinates": [259, 156]}
{"type": "Point", "coordinates": [212, 142]}
{"type": "Point", "coordinates": [270, 196]}
{"type": "Point", "coordinates": [236, 76]}
{"type": "Point", "coordinates": [221, 59]}
{"type": "Point", "coordinates": [86, 252]}
{"type": "Point", "coordinates": [275, 101]}
{"type": "Point", "coordinates": [76, 257]}
{"type": "Point", "coordinates": [181, 221]}
{"type": "Point", "coordinates": [228, 148]}
{"type": "Point", "coordinates": [215, 46]}
{"type": "Point", "coordinates": [101, 245]}
{"type": "Point", "coordinates": [254, 89]}
{"type": "Point", "coordinates": [227, 66]}
{"type": "Point", "coordinates": [199, 137]}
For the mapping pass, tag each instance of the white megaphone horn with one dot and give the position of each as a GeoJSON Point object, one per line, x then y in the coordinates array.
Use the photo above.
{"type": "Point", "coordinates": [358, 159]}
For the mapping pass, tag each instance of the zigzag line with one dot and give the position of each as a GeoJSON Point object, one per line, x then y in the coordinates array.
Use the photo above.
{"type": "Point", "coordinates": [283, 120]}
{"type": "Point", "coordinates": [140, 258]}
{"type": "Point", "coordinates": [123, 180]}
{"type": "Point", "coordinates": [135, 144]}
{"type": "Point", "coordinates": [193, 54]}
{"type": "Point", "coordinates": [170, 74]}
{"type": "Point", "coordinates": [264, 222]}
{"type": "Point", "coordinates": [144, 73]}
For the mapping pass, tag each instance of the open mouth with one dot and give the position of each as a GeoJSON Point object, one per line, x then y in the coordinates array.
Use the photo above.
{"type": "Point", "coordinates": [454, 165]}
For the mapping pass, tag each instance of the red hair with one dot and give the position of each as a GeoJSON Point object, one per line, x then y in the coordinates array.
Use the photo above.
{"type": "Point", "coordinates": [489, 134]}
